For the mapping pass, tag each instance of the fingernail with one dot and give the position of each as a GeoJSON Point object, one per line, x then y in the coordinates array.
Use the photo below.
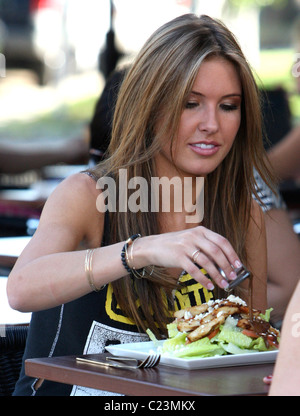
{"type": "Point", "coordinates": [210, 286]}
{"type": "Point", "coordinates": [224, 284]}
{"type": "Point", "coordinates": [238, 264]}
{"type": "Point", "coordinates": [232, 275]}
{"type": "Point", "coordinates": [268, 379]}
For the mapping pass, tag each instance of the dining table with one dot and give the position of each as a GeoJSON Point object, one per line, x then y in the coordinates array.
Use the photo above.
{"type": "Point", "coordinates": [162, 380]}
{"type": "Point", "coordinates": [34, 196]}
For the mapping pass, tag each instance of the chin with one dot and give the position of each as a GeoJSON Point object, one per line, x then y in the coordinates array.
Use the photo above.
{"type": "Point", "coordinates": [203, 171]}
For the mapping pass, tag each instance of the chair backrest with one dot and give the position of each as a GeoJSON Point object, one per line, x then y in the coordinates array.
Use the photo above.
{"type": "Point", "coordinates": [12, 345]}
{"type": "Point", "coordinates": [277, 119]}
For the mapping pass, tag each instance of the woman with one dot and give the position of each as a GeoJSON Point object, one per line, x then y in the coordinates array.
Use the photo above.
{"type": "Point", "coordinates": [188, 108]}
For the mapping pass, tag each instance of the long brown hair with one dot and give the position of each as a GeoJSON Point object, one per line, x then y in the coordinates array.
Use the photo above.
{"type": "Point", "coordinates": [156, 88]}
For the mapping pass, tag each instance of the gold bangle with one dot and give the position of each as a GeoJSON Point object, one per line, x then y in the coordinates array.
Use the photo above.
{"type": "Point", "coordinates": [144, 272]}
{"type": "Point", "coordinates": [134, 271]}
{"type": "Point", "coordinates": [131, 255]}
{"type": "Point", "coordinates": [127, 256]}
{"type": "Point", "coordinates": [88, 267]}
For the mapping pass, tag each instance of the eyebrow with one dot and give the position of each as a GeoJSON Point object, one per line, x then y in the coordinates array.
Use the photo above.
{"type": "Point", "coordinates": [224, 96]}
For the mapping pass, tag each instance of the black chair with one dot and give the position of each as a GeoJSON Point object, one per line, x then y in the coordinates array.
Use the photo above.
{"type": "Point", "coordinates": [277, 118]}
{"type": "Point", "coordinates": [12, 345]}
{"type": "Point", "coordinates": [277, 123]}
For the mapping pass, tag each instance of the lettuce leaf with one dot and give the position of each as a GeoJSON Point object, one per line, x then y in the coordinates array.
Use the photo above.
{"type": "Point", "coordinates": [242, 342]}
{"type": "Point", "coordinates": [152, 337]}
{"type": "Point", "coordinates": [233, 349]}
{"type": "Point", "coordinates": [235, 337]}
{"type": "Point", "coordinates": [201, 348]}
{"type": "Point", "coordinates": [267, 315]}
{"type": "Point", "coordinates": [260, 345]}
{"type": "Point", "coordinates": [172, 330]}
{"type": "Point", "coordinates": [170, 345]}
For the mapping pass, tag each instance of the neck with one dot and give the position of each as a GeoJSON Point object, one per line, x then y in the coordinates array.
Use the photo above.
{"type": "Point", "coordinates": [174, 221]}
{"type": "Point", "coordinates": [180, 196]}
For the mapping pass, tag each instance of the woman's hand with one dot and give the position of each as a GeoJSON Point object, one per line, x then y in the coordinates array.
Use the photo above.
{"type": "Point", "coordinates": [191, 250]}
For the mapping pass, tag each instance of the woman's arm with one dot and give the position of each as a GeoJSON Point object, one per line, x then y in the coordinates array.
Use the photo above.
{"type": "Point", "coordinates": [286, 378]}
{"type": "Point", "coordinates": [50, 271]}
{"type": "Point", "coordinates": [283, 261]}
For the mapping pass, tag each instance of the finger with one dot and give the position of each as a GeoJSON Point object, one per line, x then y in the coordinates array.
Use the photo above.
{"type": "Point", "coordinates": [204, 261]}
{"type": "Point", "coordinates": [225, 245]}
{"type": "Point", "coordinates": [230, 261]}
{"type": "Point", "coordinates": [212, 258]}
{"type": "Point", "coordinates": [194, 271]}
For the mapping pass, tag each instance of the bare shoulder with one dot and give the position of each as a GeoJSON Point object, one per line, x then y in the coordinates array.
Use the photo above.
{"type": "Point", "coordinates": [72, 206]}
{"type": "Point", "coordinates": [69, 220]}
{"type": "Point", "coordinates": [77, 189]}
{"type": "Point", "coordinates": [77, 183]}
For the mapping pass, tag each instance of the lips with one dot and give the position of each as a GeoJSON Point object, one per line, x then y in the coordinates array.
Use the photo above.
{"type": "Point", "coordinates": [204, 145]}
{"type": "Point", "coordinates": [205, 148]}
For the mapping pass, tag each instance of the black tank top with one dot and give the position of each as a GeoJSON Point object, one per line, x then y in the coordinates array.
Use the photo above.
{"type": "Point", "coordinates": [85, 326]}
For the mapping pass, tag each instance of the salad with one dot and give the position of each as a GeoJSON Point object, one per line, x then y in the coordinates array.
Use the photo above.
{"type": "Point", "coordinates": [219, 327]}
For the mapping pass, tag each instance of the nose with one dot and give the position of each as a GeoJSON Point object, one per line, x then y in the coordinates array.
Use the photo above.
{"type": "Point", "coordinates": [209, 121]}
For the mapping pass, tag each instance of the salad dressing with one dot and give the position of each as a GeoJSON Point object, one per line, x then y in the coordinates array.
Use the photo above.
{"type": "Point", "coordinates": [260, 327]}
{"type": "Point", "coordinates": [250, 290]}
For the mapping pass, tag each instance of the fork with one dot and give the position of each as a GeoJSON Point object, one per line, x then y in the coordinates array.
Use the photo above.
{"type": "Point", "coordinates": [151, 361]}
{"type": "Point", "coordinates": [120, 362]}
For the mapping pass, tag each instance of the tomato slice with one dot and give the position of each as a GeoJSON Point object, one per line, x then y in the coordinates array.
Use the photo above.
{"type": "Point", "coordinates": [213, 333]}
{"type": "Point", "coordinates": [250, 333]}
{"type": "Point", "coordinates": [272, 341]}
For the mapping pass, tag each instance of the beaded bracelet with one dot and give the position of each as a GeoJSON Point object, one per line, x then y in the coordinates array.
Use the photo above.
{"type": "Point", "coordinates": [138, 274]}
{"type": "Point", "coordinates": [124, 253]}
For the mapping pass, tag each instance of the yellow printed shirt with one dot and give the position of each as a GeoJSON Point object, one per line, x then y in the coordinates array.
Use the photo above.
{"type": "Point", "coordinates": [189, 293]}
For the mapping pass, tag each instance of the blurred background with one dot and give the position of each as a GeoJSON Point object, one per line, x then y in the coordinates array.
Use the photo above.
{"type": "Point", "coordinates": [51, 51]}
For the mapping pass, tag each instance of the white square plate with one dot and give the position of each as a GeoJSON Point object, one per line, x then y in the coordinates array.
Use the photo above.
{"type": "Point", "coordinates": [141, 350]}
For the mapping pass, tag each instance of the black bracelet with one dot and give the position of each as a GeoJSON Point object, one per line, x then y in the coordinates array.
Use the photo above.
{"type": "Point", "coordinates": [124, 251]}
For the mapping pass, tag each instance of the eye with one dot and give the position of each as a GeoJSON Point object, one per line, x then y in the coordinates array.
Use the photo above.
{"type": "Point", "coordinates": [191, 104]}
{"type": "Point", "coordinates": [229, 107]}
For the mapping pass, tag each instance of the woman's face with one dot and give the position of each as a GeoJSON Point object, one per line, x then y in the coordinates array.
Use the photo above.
{"type": "Point", "coordinates": [209, 122]}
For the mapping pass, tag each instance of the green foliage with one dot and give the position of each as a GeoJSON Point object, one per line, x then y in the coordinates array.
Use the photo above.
{"type": "Point", "coordinates": [66, 121]}
{"type": "Point", "coordinates": [259, 3]}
